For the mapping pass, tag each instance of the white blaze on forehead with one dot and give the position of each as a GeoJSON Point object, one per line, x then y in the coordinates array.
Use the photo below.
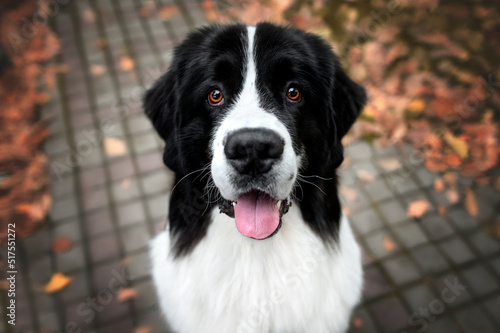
{"type": "Point", "coordinates": [246, 112]}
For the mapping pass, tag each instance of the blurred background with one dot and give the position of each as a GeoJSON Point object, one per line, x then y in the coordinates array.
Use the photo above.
{"type": "Point", "coordinates": [83, 187]}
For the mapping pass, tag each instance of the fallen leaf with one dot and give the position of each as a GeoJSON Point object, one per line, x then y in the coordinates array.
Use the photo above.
{"type": "Point", "coordinates": [97, 70]}
{"type": "Point", "coordinates": [452, 160]}
{"type": "Point", "coordinates": [349, 194]}
{"type": "Point", "coordinates": [452, 195]}
{"type": "Point", "coordinates": [346, 211]}
{"type": "Point", "coordinates": [459, 146]}
{"type": "Point", "coordinates": [127, 64]}
{"type": "Point", "coordinates": [146, 9]}
{"type": "Point", "coordinates": [167, 12]}
{"type": "Point", "coordinates": [470, 202]}
{"type": "Point", "coordinates": [101, 43]}
{"type": "Point", "coordinates": [417, 106]}
{"type": "Point", "coordinates": [357, 323]}
{"type": "Point", "coordinates": [418, 208]}
{"type": "Point", "coordinates": [125, 184]}
{"type": "Point", "coordinates": [143, 329]}
{"type": "Point", "coordinates": [61, 244]}
{"type": "Point", "coordinates": [57, 282]}
{"type": "Point", "coordinates": [441, 210]}
{"type": "Point", "coordinates": [114, 147]}
{"type": "Point", "coordinates": [389, 244]}
{"type": "Point", "coordinates": [390, 164]}
{"type": "Point", "coordinates": [365, 175]}
{"type": "Point", "coordinates": [439, 185]}
{"type": "Point", "coordinates": [4, 285]}
{"type": "Point", "coordinates": [88, 16]}
{"type": "Point", "coordinates": [126, 294]}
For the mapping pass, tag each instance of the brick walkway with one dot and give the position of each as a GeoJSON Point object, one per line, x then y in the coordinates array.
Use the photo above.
{"type": "Point", "coordinates": [110, 190]}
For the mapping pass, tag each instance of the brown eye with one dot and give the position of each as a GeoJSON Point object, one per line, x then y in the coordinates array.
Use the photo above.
{"type": "Point", "coordinates": [215, 97]}
{"type": "Point", "coordinates": [293, 95]}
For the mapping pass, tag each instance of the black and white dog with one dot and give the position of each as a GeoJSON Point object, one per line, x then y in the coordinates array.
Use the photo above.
{"type": "Point", "coordinates": [252, 119]}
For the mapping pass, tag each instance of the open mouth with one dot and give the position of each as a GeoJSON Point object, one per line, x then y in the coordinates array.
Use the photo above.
{"type": "Point", "coordinates": [256, 213]}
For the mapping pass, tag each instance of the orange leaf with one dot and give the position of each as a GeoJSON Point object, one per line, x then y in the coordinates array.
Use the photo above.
{"type": "Point", "coordinates": [61, 244]}
{"type": "Point", "coordinates": [97, 70]}
{"type": "Point", "coordinates": [416, 106]}
{"type": "Point", "coordinates": [418, 208]}
{"type": "Point", "coordinates": [441, 210]}
{"type": "Point", "coordinates": [452, 195]}
{"type": "Point", "coordinates": [114, 147]}
{"type": "Point", "coordinates": [146, 9]}
{"type": "Point", "coordinates": [57, 282]}
{"type": "Point", "coordinates": [365, 175]}
{"type": "Point", "coordinates": [389, 244]}
{"type": "Point", "coordinates": [439, 185]}
{"type": "Point", "coordinates": [470, 202]}
{"type": "Point", "coordinates": [126, 294]}
{"type": "Point", "coordinates": [349, 194]}
{"type": "Point", "coordinates": [143, 329]}
{"type": "Point", "coordinates": [167, 12]}
{"type": "Point", "coordinates": [101, 43]}
{"type": "Point", "coordinates": [452, 160]}
{"type": "Point", "coordinates": [390, 164]}
{"type": "Point", "coordinates": [88, 16]}
{"type": "Point", "coordinates": [127, 64]}
{"type": "Point", "coordinates": [357, 322]}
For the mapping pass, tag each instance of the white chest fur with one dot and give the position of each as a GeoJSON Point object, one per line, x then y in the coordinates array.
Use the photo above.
{"type": "Point", "coordinates": [288, 283]}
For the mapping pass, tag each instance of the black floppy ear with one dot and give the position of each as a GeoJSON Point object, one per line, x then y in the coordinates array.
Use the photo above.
{"type": "Point", "coordinates": [349, 98]}
{"type": "Point", "coordinates": [160, 106]}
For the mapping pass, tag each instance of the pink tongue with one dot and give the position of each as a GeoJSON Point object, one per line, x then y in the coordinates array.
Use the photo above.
{"type": "Point", "coordinates": [256, 215]}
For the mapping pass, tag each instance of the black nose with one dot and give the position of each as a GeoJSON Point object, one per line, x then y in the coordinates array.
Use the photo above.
{"type": "Point", "coordinates": [253, 150]}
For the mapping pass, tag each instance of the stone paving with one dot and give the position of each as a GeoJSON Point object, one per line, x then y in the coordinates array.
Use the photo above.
{"type": "Point", "coordinates": [110, 190]}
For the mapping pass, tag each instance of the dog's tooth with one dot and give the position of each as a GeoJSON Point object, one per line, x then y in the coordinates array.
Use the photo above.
{"type": "Point", "coordinates": [279, 203]}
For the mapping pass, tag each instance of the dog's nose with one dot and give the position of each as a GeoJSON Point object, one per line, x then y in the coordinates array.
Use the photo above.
{"type": "Point", "coordinates": [253, 150]}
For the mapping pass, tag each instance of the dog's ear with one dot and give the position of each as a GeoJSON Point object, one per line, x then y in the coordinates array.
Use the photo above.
{"type": "Point", "coordinates": [160, 106]}
{"type": "Point", "coordinates": [349, 98]}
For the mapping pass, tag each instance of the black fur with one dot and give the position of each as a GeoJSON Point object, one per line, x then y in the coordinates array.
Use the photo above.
{"type": "Point", "coordinates": [215, 57]}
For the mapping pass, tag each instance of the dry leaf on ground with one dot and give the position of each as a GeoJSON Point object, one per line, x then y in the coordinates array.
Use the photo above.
{"type": "Point", "coordinates": [452, 195]}
{"type": "Point", "coordinates": [441, 210]}
{"type": "Point", "coordinates": [127, 64]}
{"type": "Point", "coordinates": [470, 202]}
{"type": "Point", "coordinates": [97, 70]}
{"type": "Point", "coordinates": [126, 294]}
{"type": "Point", "coordinates": [88, 16]}
{"type": "Point", "coordinates": [4, 285]}
{"type": "Point", "coordinates": [57, 282]}
{"type": "Point", "coordinates": [114, 147]}
{"type": "Point", "coordinates": [61, 244]}
{"type": "Point", "coordinates": [389, 244]}
{"type": "Point", "coordinates": [167, 12]}
{"type": "Point", "coordinates": [458, 145]}
{"type": "Point", "coordinates": [125, 184]}
{"type": "Point", "coordinates": [349, 194]}
{"type": "Point", "coordinates": [390, 164]}
{"type": "Point", "coordinates": [147, 9]}
{"type": "Point", "coordinates": [357, 323]}
{"type": "Point", "coordinates": [438, 185]}
{"type": "Point", "coordinates": [101, 43]}
{"type": "Point", "coordinates": [365, 175]}
{"type": "Point", "coordinates": [418, 208]}
{"type": "Point", "coordinates": [143, 329]}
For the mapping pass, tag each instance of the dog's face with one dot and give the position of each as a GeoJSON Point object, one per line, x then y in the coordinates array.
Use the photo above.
{"type": "Point", "coordinates": [262, 110]}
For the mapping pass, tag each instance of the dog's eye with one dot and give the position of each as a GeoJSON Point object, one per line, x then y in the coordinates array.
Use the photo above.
{"type": "Point", "coordinates": [293, 95]}
{"type": "Point", "coordinates": [215, 97]}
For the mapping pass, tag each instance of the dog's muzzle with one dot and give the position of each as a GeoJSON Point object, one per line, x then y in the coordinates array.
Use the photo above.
{"type": "Point", "coordinates": [252, 153]}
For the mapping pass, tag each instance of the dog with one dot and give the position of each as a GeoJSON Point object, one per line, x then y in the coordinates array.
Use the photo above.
{"type": "Point", "coordinates": [252, 118]}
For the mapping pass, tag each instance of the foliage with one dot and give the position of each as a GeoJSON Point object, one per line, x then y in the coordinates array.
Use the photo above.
{"type": "Point", "coordinates": [24, 193]}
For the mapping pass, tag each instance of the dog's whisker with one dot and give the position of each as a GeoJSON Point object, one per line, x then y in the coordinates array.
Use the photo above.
{"type": "Point", "coordinates": [308, 182]}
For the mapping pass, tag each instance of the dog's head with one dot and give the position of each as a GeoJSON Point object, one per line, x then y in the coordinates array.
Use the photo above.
{"type": "Point", "coordinates": [261, 112]}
